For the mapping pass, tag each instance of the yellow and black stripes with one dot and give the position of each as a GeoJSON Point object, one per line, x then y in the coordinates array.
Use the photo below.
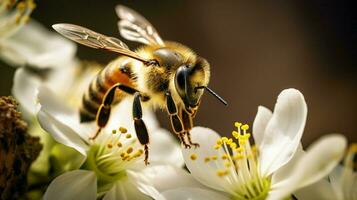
{"type": "Point", "coordinates": [109, 76]}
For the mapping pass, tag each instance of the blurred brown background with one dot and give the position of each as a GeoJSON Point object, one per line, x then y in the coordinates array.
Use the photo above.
{"type": "Point", "coordinates": [255, 48]}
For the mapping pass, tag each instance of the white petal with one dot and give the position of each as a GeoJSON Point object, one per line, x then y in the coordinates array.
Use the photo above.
{"type": "Point", "coordinates": [25, 90]}
{"type": "Point", "coordinates": [165, 149]}
{"type": "Point", "coordinates": [283, 132]}
{"type": "Point", "coordinates": [125, 190]}
{"type": "Point", "coordinates": [260, 123]}
{"type": "Point", "coordinates": [77, 184]}
{"type": "Point", "coordinates": [336, 179]}
{"type": "Point", "coordinates": [162, 176]}
{"type": "Point", "coordinates": [194, 194]}
{"type": "Point", "coordinates": [48, 116]}
{"type": "Point", "coordinates": [206, 173]}
{"type": "Point", "coordinates": [36, 46]}
{"type": "Point", "coordinates": [319, 160]}
{"type": "Point", "coordinates": [320, 190]}
{"type": "Point", "coordinates": [283, 174]}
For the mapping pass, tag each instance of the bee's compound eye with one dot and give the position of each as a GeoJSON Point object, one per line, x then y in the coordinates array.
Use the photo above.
{"type": "Point", "coordinates": [167, 57]}
{"type": "Point", "coordinates": [180, 80]}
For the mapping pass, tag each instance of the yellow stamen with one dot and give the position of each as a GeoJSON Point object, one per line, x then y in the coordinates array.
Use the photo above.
{"type": "Point", "coordinates": [128, 136]}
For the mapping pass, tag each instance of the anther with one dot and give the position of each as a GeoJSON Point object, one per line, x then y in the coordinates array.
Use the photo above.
{"type": "Point", "coordinates": [207, 159]}
{"type": "Point", "coordinates": [237, 124]}
{"type": "Point", "coordinates": [193, 156]}
{"type": "Point", "coordinates": [245, 127]}
{"type": "Point", "coordinates": [114, 131]}
{"type": "Point", "coordinates": [123, 130]}
{"type": "Point", "coordinates": [109, 146]}
{"type": "Point", "coordinates": [129, 150]}
{"type": "Point", "coordinates": [119, 144]}
{"type": "Point", "coordinates": [128, 136]}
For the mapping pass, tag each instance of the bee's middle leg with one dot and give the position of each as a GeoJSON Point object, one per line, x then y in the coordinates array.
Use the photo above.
{"type": "Point", "coordinates": [140, 127]}
{"type": "Point", "coordinates": [176, 122]}
{"type": "Point", "coordinates": [103, 112]}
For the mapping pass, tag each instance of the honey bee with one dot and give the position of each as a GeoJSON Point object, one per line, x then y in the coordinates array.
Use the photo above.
{"type": "Point", "coordinates": [160, 73]}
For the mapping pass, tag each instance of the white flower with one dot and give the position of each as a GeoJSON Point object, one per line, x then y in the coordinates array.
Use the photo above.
{"type": "Point", "coordinates": [113, 164]}
{"type": "Point", "coordinates": [340, 185]}
{"type": "Point", "coordinates": [25, 42]}
{"type": "Point", "coordinates": [26, 83]}
{"type": "Point", "coordinates": [273, 169]}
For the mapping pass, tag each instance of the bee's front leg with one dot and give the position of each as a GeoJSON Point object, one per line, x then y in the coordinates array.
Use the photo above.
{"type": "Point", "coordinates": [140, 127]}
{"type": "Point", "coordinates": [188, 124]}
{"type": "Point", "coordinates": [176, 122]}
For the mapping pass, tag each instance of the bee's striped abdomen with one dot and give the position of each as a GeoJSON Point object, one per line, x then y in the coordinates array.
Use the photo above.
{"type": "Point", "coordinates": [115, 72]}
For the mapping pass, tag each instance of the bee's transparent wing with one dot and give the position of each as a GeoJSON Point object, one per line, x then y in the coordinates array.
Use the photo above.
{"type": "Point", "coordinates": [135, 27]}
{"type": "Point", "coordinates": [95, 40]}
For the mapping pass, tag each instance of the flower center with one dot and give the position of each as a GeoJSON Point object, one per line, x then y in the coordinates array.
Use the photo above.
{"type": "Point", "coordinates": [240, 166]}
{"type": "Point", "coordinates": [111, 155]}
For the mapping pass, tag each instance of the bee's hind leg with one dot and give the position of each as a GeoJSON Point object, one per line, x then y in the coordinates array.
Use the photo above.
{"type": "Point", "coordinates": [188, 124]}
{"type": "Point", "coordinates": [103, 113]}
{"type": "Point", "coordinates": [176, 122]}
{"type": "Point", "coordinates": [140, 127]}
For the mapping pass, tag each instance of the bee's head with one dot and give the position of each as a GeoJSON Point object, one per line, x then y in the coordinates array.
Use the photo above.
{"type": "Point", "coordinates": [189, 78]}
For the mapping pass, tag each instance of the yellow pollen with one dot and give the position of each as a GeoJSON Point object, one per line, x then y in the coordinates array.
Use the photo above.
{"type": "Point", "coordinates": [193, 156]}
{"type": "Point", "coordinates": [119, 144]}
{"type": "Point", "coordinates": [242, 142]}
{"type": "Point", "coordinates": [238, 157]}
{"type": "Point", "coordinates": [207, 159]}
{"type": "Point", "coordinates": [21, 6]}
{"type": "Point", "coordinates": [219, 142]}
{"type": "Point", "coordinates": [222, 173]}
{"type": "Point", "coordinates": [224, 139]}
{"type": "Point", "coordinates": [109, 146]}
{"type": "Point", "coordinates": [245, 127]}
{"type": "Point", "coordinates": [235, 134]}
{"type": "Point", "coordinates": [129, 150]}
{"type": "Point", "coordinates": [224, 156]}
{"type": "Point", "coordinates": [254, 148]}
{"type": "Point", "coordinates": [240, 149]}
{"type": "Point", "coordinates": [123, 130]}
{"type": "Point", "coordinates": [128, 136]}
{"type": "Point", "coordinates": [217, 146]}
{"type": "Point", "coordinates": [233, 145]}
{"type": "Point", "coordinates": [114, 131]}
{"type": "Point", "coordinates": [237, 124]}
{"type": "Point", "coordinates": [228, 164]}
{"type": "Point", "coordinates": [214, 157]}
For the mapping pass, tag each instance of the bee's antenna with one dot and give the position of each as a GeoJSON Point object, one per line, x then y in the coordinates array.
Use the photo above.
{"type": "Point", "coordinates": [213, 93]}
